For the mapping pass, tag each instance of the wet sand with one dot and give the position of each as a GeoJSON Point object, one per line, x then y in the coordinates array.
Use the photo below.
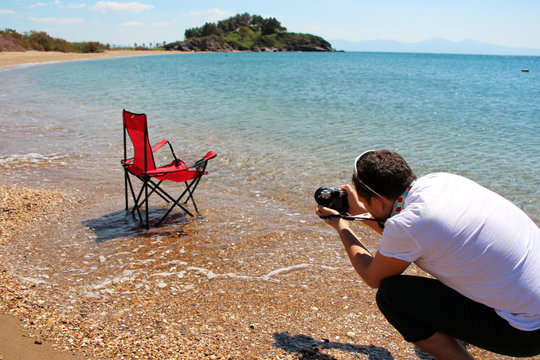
{"type": "Point", "coordinates": [218, 287]}
{"type": "Point", "coordinates": [255, 277]}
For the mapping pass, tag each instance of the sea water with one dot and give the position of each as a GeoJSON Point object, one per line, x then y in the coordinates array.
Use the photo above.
{"type": "Point", "coordinates": [285, 123]}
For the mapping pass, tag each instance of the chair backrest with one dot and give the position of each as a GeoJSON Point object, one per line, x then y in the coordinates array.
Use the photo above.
{"type": "Point", "coordinates": [137, 128]}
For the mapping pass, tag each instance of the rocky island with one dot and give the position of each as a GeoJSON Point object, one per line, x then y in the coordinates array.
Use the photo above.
{"type": "Point", "coordinates": [245, 32]}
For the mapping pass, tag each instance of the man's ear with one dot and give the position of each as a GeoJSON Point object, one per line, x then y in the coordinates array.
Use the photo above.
{"type": "Point", "coordinates": [383, 206]}
{"type": "Point", "coordinates": [378, 204]}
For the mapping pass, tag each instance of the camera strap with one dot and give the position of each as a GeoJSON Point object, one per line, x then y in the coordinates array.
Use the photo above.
{"type": "Point", "coordinates": [364, 216]}
{"type": "Point", "coordinates": [400, 202]}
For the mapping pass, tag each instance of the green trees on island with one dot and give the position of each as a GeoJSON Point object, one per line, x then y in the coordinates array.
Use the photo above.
{"type": "Point", "coordinates": [247, 32]}
{"type": "Point", "coordinates": [241, 22]}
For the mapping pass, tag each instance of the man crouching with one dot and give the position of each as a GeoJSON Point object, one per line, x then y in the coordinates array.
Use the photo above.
{"type": "Point", "coordinates": [482, 250]}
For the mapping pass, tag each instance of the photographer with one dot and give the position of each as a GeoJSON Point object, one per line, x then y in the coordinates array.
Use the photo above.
{"type": "Point", "coordinates": [482, 251]}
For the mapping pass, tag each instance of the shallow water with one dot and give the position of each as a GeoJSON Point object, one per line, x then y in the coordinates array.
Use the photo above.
{"type": "Point", "coordinates": [283, 124]}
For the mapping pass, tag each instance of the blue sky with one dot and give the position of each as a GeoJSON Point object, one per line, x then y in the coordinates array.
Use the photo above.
{"type": "Point", "coordinates": [502, 22]}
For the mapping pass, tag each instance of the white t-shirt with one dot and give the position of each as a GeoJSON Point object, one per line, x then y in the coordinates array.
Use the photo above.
{"type": "Point", "coordinates": [474, 241]}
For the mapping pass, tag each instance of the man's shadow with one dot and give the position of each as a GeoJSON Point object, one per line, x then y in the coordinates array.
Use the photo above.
{"type": "Point", "coordinates": [310, 348]}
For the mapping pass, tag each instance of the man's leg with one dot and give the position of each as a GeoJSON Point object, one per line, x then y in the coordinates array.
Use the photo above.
{"type": "Point", "coordinates": [444, 347]}
{"type": "Point", "coordinates": [419, 308]}
{"type": "Point", "coordinates": [403, 301]}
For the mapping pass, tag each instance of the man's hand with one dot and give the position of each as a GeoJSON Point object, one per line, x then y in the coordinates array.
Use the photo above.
{"type": "Point", "coordinates": [324, 211]}
{"type": "Point", "coordinates": [334, 220]}
{"type": "Point", "coordinates": [355, 206]}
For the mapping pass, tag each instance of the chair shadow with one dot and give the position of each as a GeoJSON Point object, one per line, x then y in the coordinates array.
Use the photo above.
{"type": "Point", "coordinates": [125, 223]}
{"type": "Point", "coordinates": [310, 349]}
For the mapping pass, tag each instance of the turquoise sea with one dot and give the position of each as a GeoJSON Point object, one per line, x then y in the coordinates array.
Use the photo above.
{"type": "Point", "coordinates": [285, 123]}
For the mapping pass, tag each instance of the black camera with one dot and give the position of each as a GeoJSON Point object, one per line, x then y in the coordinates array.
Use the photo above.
{"type": "Point", "coordinates": [333, 198]}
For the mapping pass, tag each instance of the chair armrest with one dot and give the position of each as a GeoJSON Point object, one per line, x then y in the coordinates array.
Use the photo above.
{"type": "Point", "coordinates": [199, 165]}
{"type": "Point", "coordinates": [210, 155]}
{"type": "Point", "coordinates": [159, 144]}
{"type": "Point", "coordinates": [201, 162]}
{"type": "Point", "coordinates": [126, 162]}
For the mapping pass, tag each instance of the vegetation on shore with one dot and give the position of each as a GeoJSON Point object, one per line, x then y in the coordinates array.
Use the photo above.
{"type": "Point", "coordinates": [245, 32]}
{"type": "Point", "coordinates": [11, 40]}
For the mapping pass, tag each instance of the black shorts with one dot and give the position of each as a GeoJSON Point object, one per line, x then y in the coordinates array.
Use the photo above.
{"type": "Point", "coordinates": [418, 307]}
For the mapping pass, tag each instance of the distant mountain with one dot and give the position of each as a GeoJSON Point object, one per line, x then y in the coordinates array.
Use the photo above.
{"type": "Point", "coordinates": [437, 46]}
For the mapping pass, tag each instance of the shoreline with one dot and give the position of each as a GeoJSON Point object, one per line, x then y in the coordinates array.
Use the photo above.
{"type": "Point", "coordinates": [15, 58]}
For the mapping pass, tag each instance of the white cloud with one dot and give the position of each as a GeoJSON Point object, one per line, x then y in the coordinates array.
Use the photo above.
{"type": "Point", "coordinates": [7, 12]}
{"type": "Point", "coordinates": [75, 6]}
{"type": "Point", "coordinates": [61, 21]}
{"type": "Point", "coordinates": [132, 23]}
{"type": "Point", "coordinates": [212, 14]}
{"type": "Point", "coordinates": [161, 24]}
{"type": "Point", "coordinates": [120, 7]}
{"type": "Point", "coordinates": [36, 5]}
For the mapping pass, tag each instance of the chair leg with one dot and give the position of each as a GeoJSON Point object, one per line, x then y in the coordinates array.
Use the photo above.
{"type": "Point", "coordinates": [193, 202]}
{"type": "Point", "coordinates": [175, 203]}
{"type": "Point", "coordinates": [155, 188]}
{"type": "Point", "coordinates": [146, 203]}
{"type": "Point", "coordinates": [191, 189]}
{"type": "Point", "coordinates": [135, 199]}
{"type": "Point", "coordinates": [125, 188]}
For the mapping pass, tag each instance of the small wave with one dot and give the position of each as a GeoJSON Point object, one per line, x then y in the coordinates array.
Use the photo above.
{"type": "Point", "coordinates": [105, 285]}
{"type": "Point", "coordinates": [11, 161]}
{"type": "Point", "coordinates": [32, 280]}
{"type": "Point", "coordinates": [269, 276]}
{"type": "Point", "coordinates": [27, 65]}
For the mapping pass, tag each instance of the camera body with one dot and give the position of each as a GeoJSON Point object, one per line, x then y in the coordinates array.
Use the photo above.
{"type": "Point", "coordinates": [333, 198]}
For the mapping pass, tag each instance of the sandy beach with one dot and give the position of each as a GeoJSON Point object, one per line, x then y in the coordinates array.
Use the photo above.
{"type": "Point", "coordinates": [31, 57]}
{"type": "Point", "coordinates": [80, 280]}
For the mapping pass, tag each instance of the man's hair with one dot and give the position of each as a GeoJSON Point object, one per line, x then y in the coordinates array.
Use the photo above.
{"type": "Point", "coordinates": [385, 172]}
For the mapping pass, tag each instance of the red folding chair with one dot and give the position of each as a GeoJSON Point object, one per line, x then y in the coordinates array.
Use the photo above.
{"type": "Point", "coordinates": [142, 166]}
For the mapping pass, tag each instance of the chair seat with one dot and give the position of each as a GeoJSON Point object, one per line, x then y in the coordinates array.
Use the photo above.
{"type": "Point", "coordinates": [135, 170]}
{"type": "Point", "coordinates": [171, 172]}
{"type": "Point", "coordinates": [176, 173]}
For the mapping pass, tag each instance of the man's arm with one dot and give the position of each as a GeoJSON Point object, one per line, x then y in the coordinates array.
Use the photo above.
{"type": "Point", "coordinates": [372, 269]}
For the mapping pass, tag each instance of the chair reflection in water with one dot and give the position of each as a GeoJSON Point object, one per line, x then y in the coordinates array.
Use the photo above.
{"type": "Point", "coordinates": [143, 167]}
